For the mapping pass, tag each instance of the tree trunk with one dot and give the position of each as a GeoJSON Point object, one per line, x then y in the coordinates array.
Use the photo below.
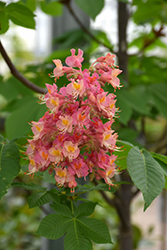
{"type": "Point", "coordinates": [123, 16]}
{"type": "Point", "coordinates": [125, 192]}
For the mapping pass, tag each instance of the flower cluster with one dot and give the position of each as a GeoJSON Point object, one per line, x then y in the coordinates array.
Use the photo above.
{"type": "Point", "coordinates": [72, 139]}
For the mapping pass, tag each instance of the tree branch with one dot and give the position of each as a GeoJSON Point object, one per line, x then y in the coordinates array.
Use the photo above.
{"type": "Point", "coordinates": [18, 75]}
{"type": "Point", "coordinates": [67, 4]}
{"type": "Point", "coordinates": [147, 42]}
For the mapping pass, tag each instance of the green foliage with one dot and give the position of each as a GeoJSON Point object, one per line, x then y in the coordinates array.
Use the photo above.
{"type": "Point", "coordinates": [21, 116]}
{"type": "Point", "coordinates": [79, 230]}
{"type": "Point", "coordinates": [159, 97]}
{"type": "Point", "coordinates": [90, 8]}
{"type": "Point", "coordinates": [20, 15]}
{"type": "Point", "coordinates": [149, 11]}
{"type": "Point", "coordinates": [53, 8]}
{"type": "Point", "coordinates": [146, 174]}
{"type": "Point", "coordinates": [122, 154]}
{"type": "Point", "coordinates": [41, 198]}
{"type": "Point", "coordinates": [74, 239]}
{"type": "Point", "coordinates": [9, 164]}
{"type": "Point", "coordinates": [85, 209]}
{"type": "Point", "coordinates": [4, 21]}
{"type": "Point", "coordinates": [162, 160]}
{"type": "Point", "coordinates": [29, 186]}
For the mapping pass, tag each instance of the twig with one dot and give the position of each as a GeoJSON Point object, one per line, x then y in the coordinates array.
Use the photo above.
{"type": "Point", "coordinates": [148, 42]}
{"type": "Point", "coordinates": [18, 75]}
{"type": "Point", "coordinates": [67, 3]}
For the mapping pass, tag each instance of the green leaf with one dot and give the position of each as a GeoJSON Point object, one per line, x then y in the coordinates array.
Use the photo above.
{"type": "Point", "coordinates": [84, 188]}
{"type": "Point", "coordinates": [125, 108]}
{"type": "Point", "coordinates": [146, 174]}
{"type": "Point", "coordinates": [2, 5]}
{"type": "Point", "coordinates": [94, 230]}
{"type": "Point", "coordinates": [85, 209]}
{"type": "Point", "coordinates": [165, 182]}
{"type": "Point", "coordinates": [148, 11]}
{"type": "Point", "coordinates": [20, 118]}
{"type": "Point", "coordinates": [52, 8]}
{"type": "Point", "coordinates": [134, 101]}
{"type": "Point", "coordinates": [20, 15]}
{"type": "Point", "coordinates": [159, 157]}
{"type": "Point", "coordinates": [90, 7]}
{"type": "Point", "coordinates": [39, 199]}
{"type": "Point", "coordinates": [75, 240]}
{"type": "Point", "coordinates": [105, 187]}
{"type": "Point", "coordinates": [122, 153]}
{"type": "Point", "coordinates": [1, 139]}
{"type": "Point", "coordinates": [9, 165]}
{"type": "Point", "coordinates": [162, 160]}
{"type": "Point", "coordinates": [53, 226]}
{"type": "Point", "coordinates": [30, 186]}
{"type": "Point", "coordinates": [62, 209]}
{"type": "Point", "coordinates": [4, 22]}
{"type": "Point", "coordinates": [49, 178]}
{"type": "Point", "coordinates": [159, 97]}
{"type": "Point", "coordinates": [31, 4]}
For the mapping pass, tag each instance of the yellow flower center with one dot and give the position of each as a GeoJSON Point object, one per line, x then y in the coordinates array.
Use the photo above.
{"type": "Point", "coordinates": [65, 122]}
{"type": "Point", "coordinates": [71, 149]}
{"type": "Point", "coordinates": [38, 128]}
{"type": "Point", "coordinates": [61, 173]}
{"type": "Point", "coordinates": [109, 172]}
{"type": "Point", "coordinates": [32, 162]}
{"type": "Point", "coordinates": [107, 137]}
{"type": "Point", "coordinates": [56, 152]}
{"type": "Point", "coordinates": [54, 102]}
{"type": "Point", "coordinates": [76, 85]}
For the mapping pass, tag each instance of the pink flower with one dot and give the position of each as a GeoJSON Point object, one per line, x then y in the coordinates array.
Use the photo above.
{"type": "Point", "coordinates": [75, 88]}
{"type": "Point", "coordinates": [58, 71]}
{"type": "Point", "coordinates": [73, 60]}
{"type": "Point", "coordinates": [37, 129]}
{"type": "Point", "coordinates": [78, 167]}
{"type": "Point", "coordinates": [109, 139]}
{"type": "Point", "coordinates": [60, 176]}
{"type": "Point", "coordinates": [55, 154]}
{"type": "Point", "coordinates": [64, 124]}
{"type": "Point", "coordinates": [70, 150]}
{"type": "Point", "coordinates": [72, 137]}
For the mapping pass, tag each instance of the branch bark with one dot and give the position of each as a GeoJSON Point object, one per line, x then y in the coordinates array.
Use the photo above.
{"type": "Point", "coordinates": [18, 75]}
{"type": "Point", "coordinates": [67, 4]}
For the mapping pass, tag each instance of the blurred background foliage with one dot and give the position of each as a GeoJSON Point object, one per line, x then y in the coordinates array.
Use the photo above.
{"type": "Point", "coordinates": [143, 101]}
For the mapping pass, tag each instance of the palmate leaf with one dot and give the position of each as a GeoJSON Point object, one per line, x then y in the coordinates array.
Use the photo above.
{"type": "Point", "coordinates": [53, 226]}
{"type": "Point", "coordinates": [75, 240]}
{"type": "Point", "coordinates": [85, 209]}
{"type": "Point", "coordinates": [146, 174]}
{"type": "Point", "coordinates": [61, 209]}
{"type": "Point", "coordinates": [40, 198]}
{"type": "Point", "coordinates": [9, 164]}
{"type": "Point", "coordinates": [30, 186]}
{"type": "Point", "coordinates": [94, 229]}
{"type": "Point", "coordinates": [80, 231]}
